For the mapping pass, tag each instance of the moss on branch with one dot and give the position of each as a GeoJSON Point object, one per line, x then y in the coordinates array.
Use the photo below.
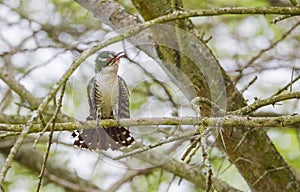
{"type": "Point", "coordinates": [232, 121]}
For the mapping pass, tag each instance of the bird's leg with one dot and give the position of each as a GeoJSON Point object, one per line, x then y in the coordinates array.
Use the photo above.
{"type": "Point", "coordinates": [98, 117]}
{"type": "Point", "coordinates": [116, 114]}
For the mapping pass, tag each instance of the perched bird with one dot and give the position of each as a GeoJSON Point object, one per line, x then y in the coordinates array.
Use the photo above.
{"type": "Point", "coordinates": [108, 98]}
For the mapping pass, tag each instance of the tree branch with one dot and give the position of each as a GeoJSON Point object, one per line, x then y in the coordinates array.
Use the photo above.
{"type": "Point", "coordinates": [269, 101]}
{"type": "Point", "coordinates": [231, 121]}
{"type": "Point", "coordinates": [107, 15]}
{"type": "Point", "coordinates": [55, 172]}
{"type": "Point", "coordinates": [19, 89]}
{"type": "Point", "coordinates": [128, 177]}
{"type": "Point", "coordinates": [83, 56]}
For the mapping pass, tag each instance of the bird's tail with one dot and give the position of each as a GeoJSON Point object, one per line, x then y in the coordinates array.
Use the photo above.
{"type": "Point", "coordinates": [103, 138]}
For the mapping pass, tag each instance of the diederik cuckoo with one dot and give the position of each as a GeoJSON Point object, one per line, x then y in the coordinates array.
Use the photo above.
{"type": "Point", "coordinates": [108, 98]}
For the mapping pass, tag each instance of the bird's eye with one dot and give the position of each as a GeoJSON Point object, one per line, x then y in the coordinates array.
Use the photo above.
{"type": "Point", "coordinates": [109, 59]}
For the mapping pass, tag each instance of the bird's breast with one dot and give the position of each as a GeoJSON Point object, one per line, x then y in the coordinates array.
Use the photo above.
{"type": "Point", "coordinates": [107, 87]}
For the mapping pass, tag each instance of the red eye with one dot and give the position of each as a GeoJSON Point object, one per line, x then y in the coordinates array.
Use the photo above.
{"type": "Point", "coordinates": [109, 59]}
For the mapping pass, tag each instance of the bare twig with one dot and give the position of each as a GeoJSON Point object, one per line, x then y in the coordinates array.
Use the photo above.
{"type": "Point", "coordinates": [148, 147]}
{"type": "Point", "coordinates": [241, 140]}
{"type": "Point", "coordinates": [191, 150]}
{"type": "Point", "coordinates": [74, 186]}
{"type": "Point", "coordinates": [18, 88]}
{"type": "Point", "coordinates": [253, 59]}
{"type": "Point", "coordinates": [286, 86]}
{"type": "Point", "coordinates": [128, 177]}
{"type": "Point", "coordinates": [128, 33]}
{"type": "Point", "coordinates": [52, 120]}
{"type": "Point", "coordinates": [249, 84]}
{"type": "Point", "coordinates": [292, 77]}
{"type": "Point", "coordinates": [54, 90]}
{"type": "Point", "coordinates": [5, 100]}
{"type": "Point", "coordinates": [261, 103]}
{"type": "Point", "coordinates": [280, 18]}
{"type": "Point", "coordinates": [268, 172]}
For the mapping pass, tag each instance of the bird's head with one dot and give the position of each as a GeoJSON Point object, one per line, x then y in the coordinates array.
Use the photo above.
{"type": "Point", "coordinates": [107, 58]}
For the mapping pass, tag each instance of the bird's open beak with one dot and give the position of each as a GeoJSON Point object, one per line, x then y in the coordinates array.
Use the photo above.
{"type": "Point", "coordinates": [119, 55]}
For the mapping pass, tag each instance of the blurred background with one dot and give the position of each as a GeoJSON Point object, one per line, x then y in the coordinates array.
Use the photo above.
{"type": "Point", "coordinates": [39, 39]}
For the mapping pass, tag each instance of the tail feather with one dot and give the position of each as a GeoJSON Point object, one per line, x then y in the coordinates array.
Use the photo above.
{"type": "Point", "coordinates": [114, 138]}
{"type": "Point", "coordinates": [120, 135]}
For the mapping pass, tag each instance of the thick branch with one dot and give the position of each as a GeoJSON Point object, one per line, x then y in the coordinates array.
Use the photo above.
{"type": "Point", "coordinates": [106, 16]}
{"type": "Point", "coordinates": [288, 11]}
{"type": "Point", "coordinates": [230, 121]}
{"type": "Point", "coordinates": [183, 170]}
{"type": "Point", "coordinates": [240, 10]}
{"type": "Point", "coordinates": [31, 158]}
{"type": "Point", "coordinates": [20, 119]}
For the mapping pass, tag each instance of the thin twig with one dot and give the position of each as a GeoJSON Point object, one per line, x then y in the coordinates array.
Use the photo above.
{"type": "Point", "coordinates": [128, 33]}
{"type": "Point", "coordinates": [52, 120]}
{"type": "Point", "coordinates": [241, 141]}
{"type": "Point", "coordinates": [280, 18]}
{"type": "Point", "coordinates": [128, 177]}
{"type": "Point", "coordinates": [46, 126]}
{"type": "Point", "coordinates": [267, 172]}
{"type": "Point", "coordinates": [161, 83]}
{"type": "Point", "coordinates": [286, 86]}
{"type": "Point", "coordinates": [72, 186]}
{"type": "Point", "coordinates": [54, 90]}
{"type": "Point", "coordinates": [148, 147]}
{"type": "Point", "coordinates": [253, 59]}
{"type": "Point", "coordinates": [190, 152]}
{"type": "Point", "coordinates": [249, 84]}
{"type": "Point", "coordinates": [5, 100]}
{"type": "Point", "coordinates": [292, 77]}
{"type": "Point", "coordinates": [261, 103]}
{"type": "Point", "coordinates": [18, 88]}
{"type": "Point", "coordinates": [187, 156]}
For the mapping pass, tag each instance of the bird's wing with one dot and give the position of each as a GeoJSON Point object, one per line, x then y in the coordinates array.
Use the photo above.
{"type": "Point", "coordinates": [123, 107]}
{"type": "Point", "coordinates": [91, 98]}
